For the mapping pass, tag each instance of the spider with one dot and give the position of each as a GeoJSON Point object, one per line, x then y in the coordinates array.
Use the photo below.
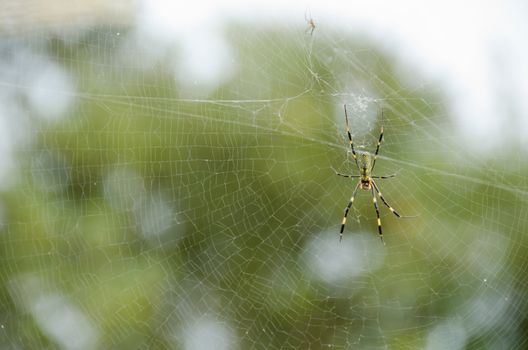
{"type": "Point", "coordinates": [311, 23]}
{"type": "Point", "coordinates": [365, 163]}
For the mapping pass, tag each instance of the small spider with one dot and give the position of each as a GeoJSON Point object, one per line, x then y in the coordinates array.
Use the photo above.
{"type": "Point", "coordinates": [365, 163]}
{"type": "Point", "coordinates": [311, 23]}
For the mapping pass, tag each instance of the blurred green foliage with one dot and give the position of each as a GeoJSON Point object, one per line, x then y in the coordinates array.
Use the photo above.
{"type": "Point", "coordinates": [250, 184]}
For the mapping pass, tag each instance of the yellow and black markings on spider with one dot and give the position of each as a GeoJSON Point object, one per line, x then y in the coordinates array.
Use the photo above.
{"type": "Point", "coordinates": [365, 163]}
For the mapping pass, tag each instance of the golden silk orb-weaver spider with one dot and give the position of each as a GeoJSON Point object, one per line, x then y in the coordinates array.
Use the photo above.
{"type": "Point", "coordinates": [365, 163]}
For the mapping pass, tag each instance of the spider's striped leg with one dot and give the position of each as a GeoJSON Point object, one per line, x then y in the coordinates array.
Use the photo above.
{"type": "Point", "coordinates": [345, 175]}
{"type": "Point", "coordinates": [350, 138]}
{"type": "Point", "coordinates": [383, 177]}
{"type": "Point", "coordinates": [349, 205]}
{"type": "Point", "coordinates": [385, 202]}
{"type": "Point", "coordinates": [379, 143]}
{"type": "Point", "coordinates": [377, 214]}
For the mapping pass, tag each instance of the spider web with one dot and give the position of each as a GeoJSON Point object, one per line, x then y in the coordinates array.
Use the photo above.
{"type": "Point", "coordinates": [148, 206]}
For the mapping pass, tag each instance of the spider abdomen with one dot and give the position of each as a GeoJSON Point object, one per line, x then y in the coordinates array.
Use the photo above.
{"type": "Point", "coordinates": [364, 162]}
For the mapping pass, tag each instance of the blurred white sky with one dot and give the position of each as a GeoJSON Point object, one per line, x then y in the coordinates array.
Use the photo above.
{"type": "Point", "coordinates": [476, 51]}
